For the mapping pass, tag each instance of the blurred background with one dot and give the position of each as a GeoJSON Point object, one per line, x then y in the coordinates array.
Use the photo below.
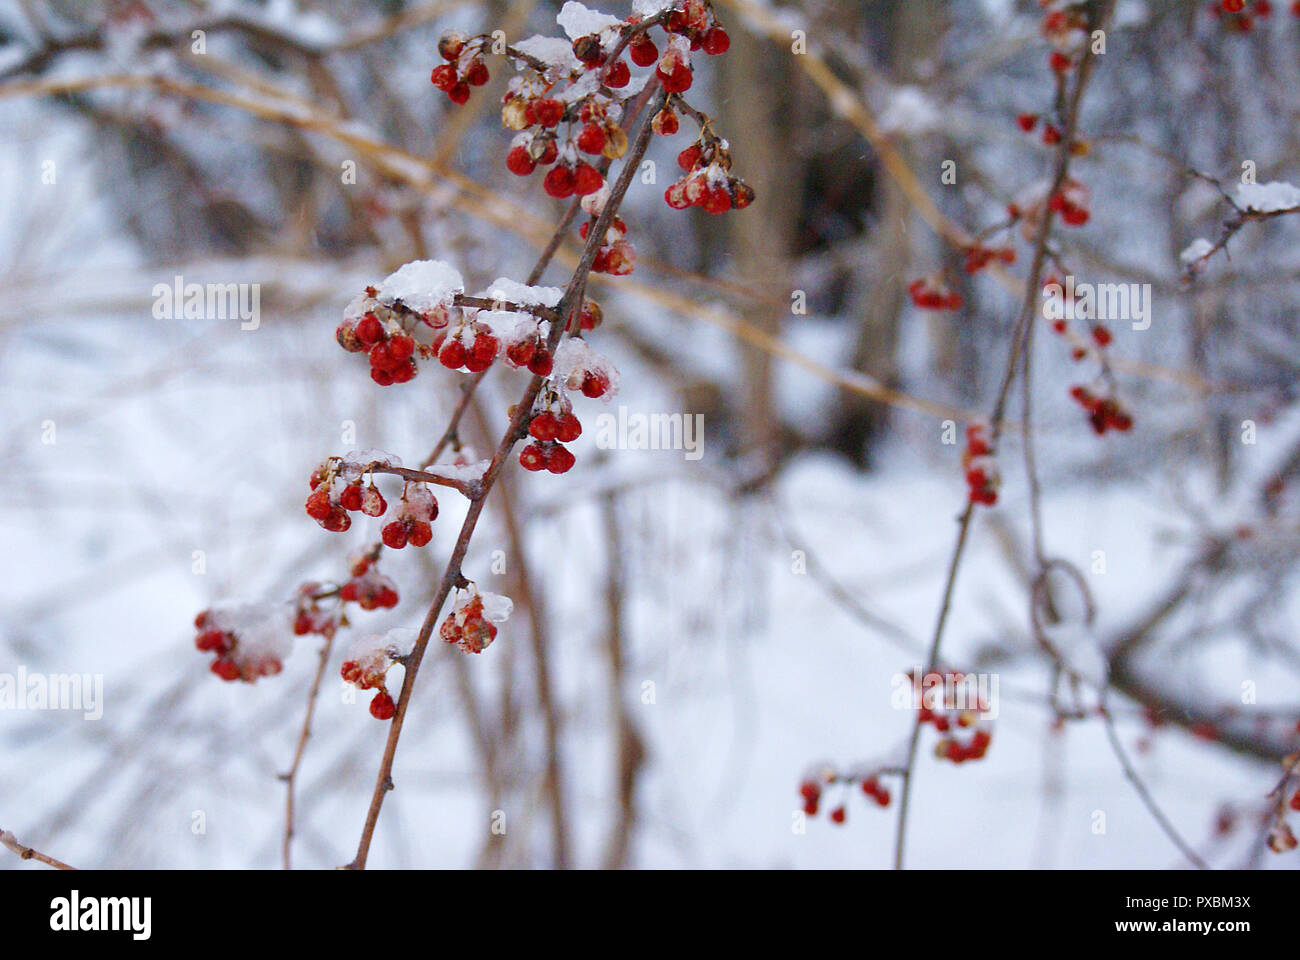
{"type": "Point", "coordinates": [691, 638]}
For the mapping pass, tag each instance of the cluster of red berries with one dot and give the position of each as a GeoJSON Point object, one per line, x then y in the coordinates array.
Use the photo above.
{"type": "Point", "coordinates": [310, 617]}
{"type": "Point", "coordinates": [979, 256]}
{"type": "Point", "coordinates": [615, 256]}
{"type": "Point", "coordinates": [369, 671]}
{"type": "Point", "coordinates": [1100, 334]}
{"type": "Point", "coordinates": [979, 465]}
{"type": "Point", "coordinates": [369, 589]}
{"type": "Point", "coordinates": [392, 352]}
{"type": "Point", "coordinates": [1243, 19]}
{"type": "Point", "coordinates": [330, 507]}
{"type": "Point", "coordinates": [472, 346]}
{"type": "Point", "coordinates": [961, 724]}
{"type": "Point", "coordinates": [1064, 25]}
{"type": "Point", "coordinates": [813, 789]}
{"type": "Point", "coordinates": [466, 626]}
{"type": "Point", "coordinates": [551, 431]}
{"type": "Point", "coordinates": [1028, 122]}
{"type": "Point", "coordinates": [464, 68]}
{"type": "Point", "coordinates": [589, 131]}
{"type": "Point", "coordinates": [1072, 202]}
{"type": "Point", "coordinates": [707, 183]}
{"type": "Point", "coordinates": [529, 350]}
{"type": "Point", "coordinates": [932, 293]}
{"type": "Point", "coordinates": [231, 661]}
{"type": "Point", "coordinates": [1104, 411]}
{"type": "Point", "coordinates": [412, 524]}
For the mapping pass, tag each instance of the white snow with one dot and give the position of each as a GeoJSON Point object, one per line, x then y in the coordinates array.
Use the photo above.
{"type": "Point", "coordinates": [1268, 197]}
{"type": "Point", "coordinates": [503, 288]}
{"type": "Point", "coordinates": [910, 111]}
{"type": "Point", "coordinates": [1196, 250]}
{"type": "Point", "coordinates": [555, 52]}
{"type": "Point", "coordinates": [578, 20]}
{"type": "Point", "coordinates": [423, 285]}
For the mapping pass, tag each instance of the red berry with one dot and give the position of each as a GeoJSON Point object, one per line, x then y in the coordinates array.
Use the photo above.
{"type": "Point", "coordinates": [568, 428]}
{"type": "Point", "coordinates": [476, 74]}
{"type": "Point", "coordinates": [838, 815]}
{"type": "Point", "coordinates": [459, 94]}
{"type": "Point", "coordinates": [226, 669]}
{"type": "Point", "coordinates": [594, 385]}
{"type": "Point", "coordinates": [450, 46]}
{"type": "Point", "coordinates": [485, 349]}
{"type": "Point", "coordinates": [587, 180]}
{"type": "Point", "coordinates": [520, 162]}
{"type": "Point", "coordinates": [452, 355]}
{"type": "Point", "coordinates": [560, 182]}
{"type": "Point", "coordinates": [643, 51]}
{"type": "Point", "coordinates": [532, 458]}
{"type": "Point", "coordinates": [549, 112]}
{"type": "Point", "coordinates": [351, 497]}
{"type": "Point", "coordinates": [420, 534]}
{"type": "Point", "coordinates": [1027, 121]}
{"type": "Point", "coordinates": [545, 426]}
{"type": "Point", "coordinates": [542, 363]}
{"type": "Point", "coordinates": [559, 460]}
{"type": "Point", "coordinates": [382, 706]}
{"type": "Point", "coordinates": [591, 139]}
{"type": "Point", "coordinates": [665, 123]}
{"type": "Point", "coordinates": [618, 75]}
{"type": "Point", "coordinates": [369, 330]}
{"type": "Point", "coordinates": [443, 77]}
{"type": "Point", "coordinates": [716, 41]}
{"type": "Point", "coordinates": [689, 158]}
{"type": "Point", "coordinates": [318, 504]}
{"type": "Point", "coordinates": [394, 535]}
{"type": "Point", "coordinates": [520, 353]}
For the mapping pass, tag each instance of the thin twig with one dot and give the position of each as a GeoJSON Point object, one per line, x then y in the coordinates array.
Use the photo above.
{"type": "Point", "coordinates": [27, 853]}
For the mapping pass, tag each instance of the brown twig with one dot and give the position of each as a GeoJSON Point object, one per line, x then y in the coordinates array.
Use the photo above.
{"type": "Point", "coordinates": [290, 778]}
{"type": "Point", "coordinates": [27, 853]}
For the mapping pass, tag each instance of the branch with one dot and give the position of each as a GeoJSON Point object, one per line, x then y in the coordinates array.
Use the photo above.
{"type": "Point", "coordinates": [27, 853]}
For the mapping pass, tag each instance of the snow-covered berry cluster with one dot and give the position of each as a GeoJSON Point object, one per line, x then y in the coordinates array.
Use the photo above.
{"type": "Point", "coordinates": [933, 293]}
{"type": "Point", "coordinates": [248, 641]}
{"type": "Point", "coordinates": [344, 485]}
{"type": "Point", "coordinates": [386, 321]}
{"type": "Point", "coordinates": [366, 668]}
{"type": "Point", "coordinates": [368, 588]}
{"type": "Point", "coordinates": [569, 103]}
{"type": "Point", "coordinates": [955, 709]}
{"type": "Point", "coordinates": [553, 424]}
{"type": "Point", "coordinates": [472, 622]}
{"type": "Point", "coordinates": [1104, 410]}
{"type": "Point", "coordinates": [815, 787]}
{"type": "Point", "coordinates": [411, 524]}
{"type": "Point", "coordinates": [1241, 16]}
{"type": "Point", "coordinates": [979, 465]}
{"type": "Point", "coordinates": [707, 182]}
{"type": "Point", "coordinates": [464, 66]}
